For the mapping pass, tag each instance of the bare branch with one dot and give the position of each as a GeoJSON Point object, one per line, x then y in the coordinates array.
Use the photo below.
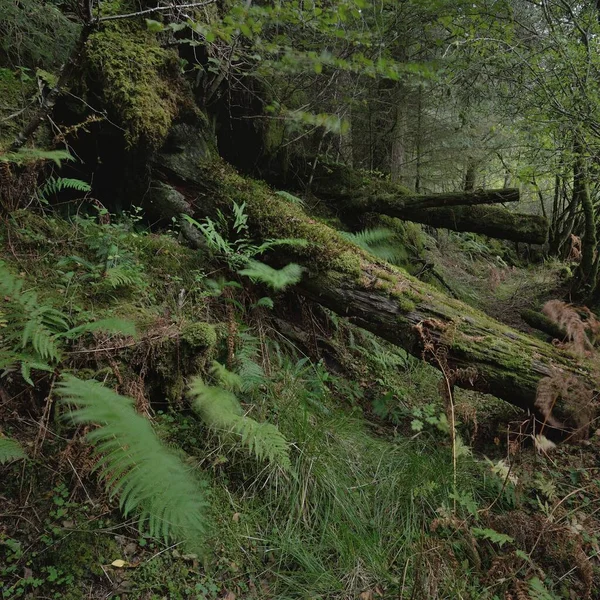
{"type": "Point", "coordinates": [155, 9]}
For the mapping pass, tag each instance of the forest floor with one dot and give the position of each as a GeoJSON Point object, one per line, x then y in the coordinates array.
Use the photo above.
{"type": "Point", "coordinates": [378, 504]}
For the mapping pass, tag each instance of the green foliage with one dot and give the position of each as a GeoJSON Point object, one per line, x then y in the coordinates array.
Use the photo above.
{"type": "Point", "coordinates": [148, 478]}
{"type": "Point", "coordinates": [34, 32]}
{"type": "Point", "coordinates": [113, 266]}
{"type": "Point", "coordinates": [538, 591]}
{"type": "Point", "coordinates": [276, 279]}
{"type": "Point", "coordinates": [32, 332]}
{"type": "Point", "coordinates": [25, 156]}
{"type": "Point", "coordinates": [10, 450]}
{"type": "Point", "coordinates": [220, 409]}
{"type": "Point", "coordinates": [492, 536]}
{"type": "Point", "coordinates": [378, 241]}
{"type": "Point", "coordinates": [291, 198]}
{"type": "Point", "coordinates": [231, 239]}
{"type": "Point", "coordinates": [55, 185]}
{"type": "Point", "coordinates": [240, 250]}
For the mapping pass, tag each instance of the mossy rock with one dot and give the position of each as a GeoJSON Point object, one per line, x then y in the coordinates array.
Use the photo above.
{"type": "Point", "coordinates": [200, 335]}
{"type": "Point", "coordinates": [137, 79]}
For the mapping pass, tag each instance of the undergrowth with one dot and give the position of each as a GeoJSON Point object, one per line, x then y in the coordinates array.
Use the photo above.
{"type": "Point", "coordinates": [249, 459]}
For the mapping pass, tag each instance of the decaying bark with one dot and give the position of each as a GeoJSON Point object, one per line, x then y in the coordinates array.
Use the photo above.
{"type": "Point", "coordinates": [484, 354]}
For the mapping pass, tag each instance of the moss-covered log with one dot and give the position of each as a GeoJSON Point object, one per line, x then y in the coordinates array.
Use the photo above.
{"type": "Point", "coordinates": [379, 297]}
{"type": "Point", "coordinates": [492, 221]}
{"type": "Point", "coordinates": [354, 193]}
{"type": "Point", "coordinates": [542, 323]}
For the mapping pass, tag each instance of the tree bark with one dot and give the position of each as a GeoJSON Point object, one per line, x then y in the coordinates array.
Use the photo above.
{"type": "Point", "coordinates": [588, 268]}
{"type": "Point", "coordinates": [542, 323]}
{"type": "Point", "coordinates": [477, 351]}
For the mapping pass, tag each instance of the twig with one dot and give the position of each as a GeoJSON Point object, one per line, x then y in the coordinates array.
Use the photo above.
{"type": "Point", "coordinates": [153, 10]}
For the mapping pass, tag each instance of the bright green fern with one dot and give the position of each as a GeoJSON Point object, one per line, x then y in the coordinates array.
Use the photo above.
{"type": "Point", "coordinates": [10, 450]}
{"type": "Point", "coordinates": [276, 279]}
{"type": "Point", "coordinates": [220, 409]}
{"type": "Point", "coordinates": [55, 185]}
{"type": "Point", "coordinates": [33, 333]}
{"type": "Point", "coordinates": [148, 478]}
{"type": "Point", "coordinates": [379, 241]}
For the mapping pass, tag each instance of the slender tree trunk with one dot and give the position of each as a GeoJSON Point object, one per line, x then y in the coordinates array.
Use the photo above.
{"type": "Point", "coordinates": [398, 151]}
{"type": "Point", "coordinates": [470, 177]}
{"type": "Point", "coordinates": [581, 196]}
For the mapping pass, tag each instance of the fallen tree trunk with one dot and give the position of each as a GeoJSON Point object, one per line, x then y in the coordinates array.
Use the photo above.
{"type": "Point", "coordinates": [488, 220]}
{"type": "Point", "coordinates": [542, 323]}
{"type": "Point", "coordinates": [473, 349]}
{"type": "Point", "coordinates": [353, 190]}
{"type": "Point", "coordinates": [355, 194]}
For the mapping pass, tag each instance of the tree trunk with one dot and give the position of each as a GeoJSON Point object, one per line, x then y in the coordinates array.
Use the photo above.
{"type": "Point", "coordinates": [356, 194]}
{"type": "Point", "coordinates": [588, 267]}
{"type": "Point", "coordinates": [488, 220]}
{"type": "Point", "coordinates": [489, 356]}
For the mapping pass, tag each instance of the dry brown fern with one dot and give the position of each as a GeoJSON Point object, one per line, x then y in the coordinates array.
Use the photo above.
{"type": "Point", "coordinates": [569, 319]}
{"type": "Point", "coordinates": [575, 253]}
{"type": "Point", "coordinates": [574, 394]}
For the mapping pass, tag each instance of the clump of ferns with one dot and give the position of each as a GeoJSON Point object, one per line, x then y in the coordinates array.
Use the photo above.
{"type": "Point", "coordinates": [229, 239]}
{"type": "Point", "coordinates": [110, 265]}
{"type": "Point", "coordinates": [34, 334]}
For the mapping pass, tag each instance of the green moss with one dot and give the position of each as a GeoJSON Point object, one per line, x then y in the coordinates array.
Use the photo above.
{"type": "Point", "coordinates": [406, 305]}
{"type": "Point", "coordinates": [138, 79]}
{"type": "Point", "coordinates": [82, 552]}
{"type": "Point", "coordinates": [272, 217]}
{"type": "Point", "coordinates": [200, 335]}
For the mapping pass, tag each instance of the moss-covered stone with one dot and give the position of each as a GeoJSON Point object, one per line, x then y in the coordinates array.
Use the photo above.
{"type": "Point", "coordinates": [138, 80]}
{"type": "Point", "coordinates": [200, 335]}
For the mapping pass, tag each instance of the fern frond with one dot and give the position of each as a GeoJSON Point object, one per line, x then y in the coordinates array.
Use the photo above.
{"type": "Point", "coordinates": [240, 222]}
{"type": "Point", "coordinates": [273, 243]}
{"type": "Point", "coordinates": [226, 378]}
{"type": "Point", "coordinates": [55, 185]}
{"type": "Point", "coordinates": [121, 276]}
{"type": "Point", "coordinates": [378, 241]}
{"type": "Point", "coordinates": [10, 450]}
{"type": "Point", "coordinates": [25, 156]}
{"type": "Point", "coordinates": [291, 198]}
{"type": "Point", "coordinates": [108, 325]}
{"type": "Point", "coordinates": [277, 279]}
{"type": "Point", "coordinates": [221, 410]}
{"type": "Point", "coordinates": [147, 476]}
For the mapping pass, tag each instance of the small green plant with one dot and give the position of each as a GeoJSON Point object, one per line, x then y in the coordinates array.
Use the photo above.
{"type": "Point", "coordinates": [220, 409]}
{"type": "Point", "coordinates": [10, 450]}
{"type": "Point", "coordinates": [276, 279]}
{"type": "Point", "coordinates": [379, 241]}
{"type": "Point", "coordinates": [240, 251]}
{"type": "Point", "coordinates": [55, 185]}
{"type": "Point", "coordinates": [147, 477]}
{"type": "Point", "coordinates": [429, 414]}
{"type": "Point", "coordinates": [33, 333]}
{"type": "Point", "coordinates": [492, 535]}
{"type": "Point", "coordinates": [112, 266]}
